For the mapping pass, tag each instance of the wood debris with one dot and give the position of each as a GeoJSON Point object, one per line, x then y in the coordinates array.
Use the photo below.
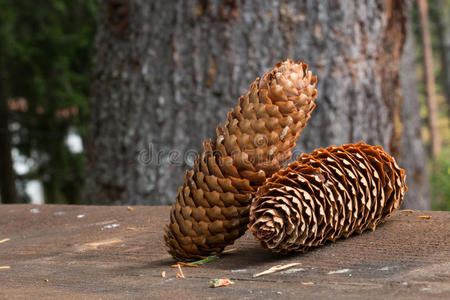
{"type": "Point", "coordinates": [110, 226]}
{"type": "Point", "coordinates": [407, 210]}
{"type": "Point", "coordinates": [183, 264]}
{"type": "Point", "coordinates": [46, 279]}
{"type": "Point", "coordinates": [307, 283]}
{"type": "Point", "coordinates": [425, 217]}
{"type": "Point", "coordinates": [180, 273]}
{"type": "Point", "coordinates": [220, 282]}
{"type": "Point", "coordinates": [130, 208]}
{"type": "Point", "coordinates": [294, 270]}
{"type": "Point", "coordinates": [5, 267]}
{"type": "Point", "coordinates": [229, 251]}
{"type": "Point", "coordinates": [163, 274]}
{"type": "Point", "coordinates": [339, 271]}
{"type": "Point", "coordinates": [276, 269]}
{"type": "Point", "coordinates": [5, 240]}
{"type": "Point", "coordinates": [96, 244]}
{"type": "Point", "coordinates": [105, 222]}
{"type": "Point", "coordinates": [130, 228]}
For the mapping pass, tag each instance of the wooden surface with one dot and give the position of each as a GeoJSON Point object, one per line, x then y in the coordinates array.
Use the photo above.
{"type": "Point", "coordinates": [50, 256]}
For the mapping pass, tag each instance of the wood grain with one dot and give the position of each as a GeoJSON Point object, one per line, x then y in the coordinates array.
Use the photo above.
{"type": "Point", "coordinates": [406, 257]}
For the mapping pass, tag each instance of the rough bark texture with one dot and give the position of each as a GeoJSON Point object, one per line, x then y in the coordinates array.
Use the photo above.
{"type": "Point", "coordinates": [168, 74]}
{"type": "Point", "coordinates": [413, 158]}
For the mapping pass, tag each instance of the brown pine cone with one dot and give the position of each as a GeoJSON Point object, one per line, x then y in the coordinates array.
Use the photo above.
{"type": "Point", "coordinates": [211, 209]}
{"type": "Point", "coordinates": [325, 195]}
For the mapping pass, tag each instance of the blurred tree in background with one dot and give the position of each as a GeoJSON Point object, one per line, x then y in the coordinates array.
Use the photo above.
{"type": "Point", "coordinates": [439, 169]}
{"type": "Point", "coordinates": [45, 62]}
{"type": "Point", "coordinates": [46, 51]}
{"type": "Point", "coordinates": [167, 72]}
{"type": "Point", "coordinates": [439, 11]}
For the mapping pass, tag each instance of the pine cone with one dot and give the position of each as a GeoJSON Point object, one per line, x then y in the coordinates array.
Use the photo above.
{"type": "Point", "coordinates": [328, 194]}
{"type": "Point", "coordinates": [211, 209]}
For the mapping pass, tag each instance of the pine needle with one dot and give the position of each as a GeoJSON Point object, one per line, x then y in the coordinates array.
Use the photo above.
{"type": "Point", "coordinates": [180, 272]}
{"type": "Point", "coordinates": [184, 264]}
{"type": "Point", "coordinates": [203, 261]}
{"type": "Point", "coordinates": [276, 269]}
{"type": "Point", "coordinates": [229, 251]}
{"type": "Point", "coordinates": [102, 243]}
{"type": "Point", "coordinates": [5, 240]}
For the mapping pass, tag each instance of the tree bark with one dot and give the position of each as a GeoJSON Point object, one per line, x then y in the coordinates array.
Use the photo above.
{"type": "Point", "coordinates": [168, 71]}
{"type": "Point", "coordinates": [414, 157]}
{"type": "Point", "coordinates": [429, 79]}
{"type": "Point", "coordinates": [8, 192]}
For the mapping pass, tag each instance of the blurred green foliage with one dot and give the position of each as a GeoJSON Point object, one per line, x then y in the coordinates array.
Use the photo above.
{"type": "Point", "coordinates": [439, 170]}
{"type": "Point", "coordinates": [46, 52]}
{"type": "Point", "coordinates": [440, 181]}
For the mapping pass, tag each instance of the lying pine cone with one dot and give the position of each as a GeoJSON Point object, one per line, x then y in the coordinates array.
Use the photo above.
{"type": "Point", "coordinates": [328, 194]}
{"type": "Point", "coordinates": [211, 209]}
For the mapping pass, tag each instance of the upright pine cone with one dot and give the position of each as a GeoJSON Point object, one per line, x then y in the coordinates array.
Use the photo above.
{"type": "Point", "coordinates": [212, 207]}
{"type": "Point", "coordinates": [328, 194]}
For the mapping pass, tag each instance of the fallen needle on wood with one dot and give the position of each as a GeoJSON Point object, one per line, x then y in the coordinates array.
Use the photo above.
{"type": "Point", "coordinates": [276, 269]}
{"type": "Point", "coordinates": [102, 243]}
{"type": "Point", "coordinates": [229, 251]}
{"type": "Point", "coordinates": [5, 240]}
{"type": "Point", "coordinates": [184, 264]}
{"type": "Point", "coordinates": [425, 217]}
{"type": "Point", "coordinates": [220, 282]}
{"type": "Point", "coordinates": [180, 272]}
{"type": "Point", "coordinates": [203, 261]}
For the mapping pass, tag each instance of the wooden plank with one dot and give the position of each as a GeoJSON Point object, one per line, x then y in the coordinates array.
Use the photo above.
{"type": "Point", "coordinates": [52, 253]}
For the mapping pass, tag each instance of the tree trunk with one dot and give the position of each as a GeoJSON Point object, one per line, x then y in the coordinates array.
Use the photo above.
{"type": "Point", "coordinates": [443, 32]}
{"type": "Point", "coordinates": [429, 79]}
{"type": "Point", "coordinates": [168, 71]}
{"type": "Point", "coordinates": [413, 158]}
{"type": "Point", "coordinates": [8, 192]}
